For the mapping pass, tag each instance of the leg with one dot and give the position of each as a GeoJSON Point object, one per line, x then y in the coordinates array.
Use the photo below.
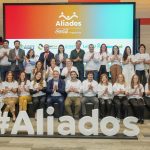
{"type": "Point", "coordinates": [81, 75]}
{"type": "Point", "coordinates": [68, 103]}
{"type": "Point", "coordinates": [94, 100]}
{"type": "Point", "coordinates": [35, 103]}
{"type": "Point", "coordinates": [49, 101]}
{"type": "Point", "coordinates": [102, 107]}
{"type": "Point", "coordinates": [117, 106]}
{"type": "Point", "coordinates": [125, 106]}
{"type": "Point", "coordinates": [147, 101]}
{"type": "Point", "coordinates": [83, 102]}
{"type": "Point", "coordinates": [141, 108]}
{"type": "Point", "coordinates": [42, 102]}
{"type": "Point", "coordinates": [77, 102]}
{"type": "Point", "coordinates": [95, 72]}
{"type": "Point", "coordinates": [108, 106]}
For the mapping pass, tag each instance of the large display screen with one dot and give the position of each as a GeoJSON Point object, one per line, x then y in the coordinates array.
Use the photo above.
{"type": "Point", "coordinates": [38, 24]}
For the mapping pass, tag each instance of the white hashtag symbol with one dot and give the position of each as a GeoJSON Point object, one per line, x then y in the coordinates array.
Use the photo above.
{"type": "Point", "coordinates": [4, 122]}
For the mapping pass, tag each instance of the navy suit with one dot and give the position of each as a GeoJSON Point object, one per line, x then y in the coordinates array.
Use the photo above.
{"type": "Point", "coordinates": [56, 99]}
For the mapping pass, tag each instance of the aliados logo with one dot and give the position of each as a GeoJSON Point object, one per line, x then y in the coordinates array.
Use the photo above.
{"type": "Point", "coordinates": [68, 20]}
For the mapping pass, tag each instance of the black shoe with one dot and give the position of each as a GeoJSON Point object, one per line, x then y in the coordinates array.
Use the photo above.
{"type": "Point", "coordinates": [142, 121]}
{"type": "Point", "coordinates": [139, 121]}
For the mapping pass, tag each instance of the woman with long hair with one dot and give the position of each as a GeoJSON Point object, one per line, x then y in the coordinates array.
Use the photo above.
{"type": "Point", "coordinates": [23, 92]}
{"type": "Point", "coordinates": [10, 93]}
{"type": "Point", "coordinates": [128, 65]}
{"type": "Point", "coordinates": [61, 57]}
{"type": "Point", "coordinates": [105, 95]}
{"type": "Point", "coordinates": [135, 93]}
{"type": "Point", "coordinates": [147, 93]}
{"type": "Point", "coordinates": [29, 63]}
{"type": "Point", "coordinates": [115, 59]}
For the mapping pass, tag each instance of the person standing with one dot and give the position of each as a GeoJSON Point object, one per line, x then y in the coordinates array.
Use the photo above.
{"type": "Point", "coordinates": [16, 57]}
{"type": "Point", "coordinates": [77, 56]}
{"type": "Point", "coordinates": [91, 62]}
{"type": "Point", "coordinates": [46, 56]}
{"type": "Point", "coordinates": [4, 63]}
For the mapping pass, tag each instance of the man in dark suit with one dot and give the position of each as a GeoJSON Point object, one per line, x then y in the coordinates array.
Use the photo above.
{"type": "Point", "coordinates": [56, 91]}
{"type": "Point", "coordinates": [16, 57]}
{"type": "Point", "coordinates": [46, 56]}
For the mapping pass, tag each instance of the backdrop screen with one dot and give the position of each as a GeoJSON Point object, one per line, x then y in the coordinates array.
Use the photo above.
{"type": "Point", "coordinates": [38, 24]}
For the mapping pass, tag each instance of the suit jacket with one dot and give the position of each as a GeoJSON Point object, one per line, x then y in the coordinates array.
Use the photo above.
{"type": "Point", "coordinates": [61, 87]}
{"type": "Point", "coordinates": [58, 61]}
{"type": "Point", "coordinates": [50, 56]}
{"type": "Point", "coordinates": [11, 58]}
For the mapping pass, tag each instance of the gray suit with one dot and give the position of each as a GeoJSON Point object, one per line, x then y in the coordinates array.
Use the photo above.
{"type": "Point", "coordinates": [11, 58]}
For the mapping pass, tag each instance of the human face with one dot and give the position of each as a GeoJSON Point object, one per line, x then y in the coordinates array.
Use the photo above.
{"type": "Point", "coordinates": [22, 76]}
{"type": "Point", "coordinates": [39, 65]}
{"type": "Point", "coordinates": [115, 50]}
{"type": "Point", "coordinates": [38, 76]}
{"type": "Point", "coordinates": [128, 51]}
{"type": "Point", "coordinates": [104, 79]}
{"type": "Point", "coordinates": [78, 45]}
{"type": "Point", "coordinates": [17, 45]}
{"type": "Point", "coordinates": [135, 79]}
{"type": "Point", "coordinates": [31, 53]}
{"type": "Point", "coordinates": [91, 48]}
{"type": "Point", "coordinates": [10, 77]}
{"type": "Point", "coordinates": [90, 77]}
{"type": "Point", "coordinates": [68, 62]}
{"type": "Point", "coordinates": [53, 62]}
{"type": "Point", "coordinates": [61, 49]}
{"type": "Point", "coordinates": [56, 75]}
{"type": "Point", "coordinates": [120, 78]}
{"type": "Point", "coordinates": [5, 44]}
{"type": "Point", "coordinates": [73, 75]}
{"type": "Point", "coordinates": [46, 48]}
{"type": "Point", "coordinates": [142, 50]}
{"type": "Point", "coordinates": [103, 48]}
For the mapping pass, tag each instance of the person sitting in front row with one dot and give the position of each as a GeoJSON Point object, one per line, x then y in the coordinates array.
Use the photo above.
{"type": "Point", "coordinates": [73, 95]}
{"type": "Point", "coordinates": [89, 90]}
{"type": "Point", "coordinates": [55, 91]}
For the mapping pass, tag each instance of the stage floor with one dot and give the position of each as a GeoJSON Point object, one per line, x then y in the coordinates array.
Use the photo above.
{"type": "Point", "coordinates": [19, 143]}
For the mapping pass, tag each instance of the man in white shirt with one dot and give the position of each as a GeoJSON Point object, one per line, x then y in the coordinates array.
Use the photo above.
{"type": "Point", "coordinates": [73, 95]}
{"type": "Point", "coordinates": [92, 64]}
{"type": "Point", "coordinates": [89, 89]}
{"type": "Point", "coordinates": [4, 63]}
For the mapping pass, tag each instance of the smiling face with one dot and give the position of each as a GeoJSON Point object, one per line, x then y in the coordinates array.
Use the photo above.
{"type": "Point", "coordinates": [91, 48]}
{"type": "Point", "coordinates": [120, 78]}
{"type": "Point", "coordinates": [38, 76]}
{"type": "Point", "coordinates": [46, 48]}
{"type": "Point", "coordinates": [73, 75]}
{"type": "Point", "coordinates": [142, 49]}
{"type": "Point", "coordinates": [22, 76]}
{"type": "Point", "coordinates": [10, 77]}
{"type": "Point", "coordinates": [90, 76]}
{"type": "Point", "coordinates": [104, 79]}
{"type": "Point", "coordinates": [39, 65]}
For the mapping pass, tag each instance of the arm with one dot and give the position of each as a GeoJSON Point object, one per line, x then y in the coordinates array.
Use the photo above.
{"type": "Point", "coordinates": [21, 58]}
{"type": "Point", "coordinates": [11, 58]}
{"type": "Point", "coordinates": [62, 89]}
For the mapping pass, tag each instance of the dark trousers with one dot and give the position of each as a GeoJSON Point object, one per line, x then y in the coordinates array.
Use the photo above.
{"type": "Point", "coordinates": [105, 107]}
{"type": "Point", "coordinates": [28, 76]}
{"type": "Point", "coordinates": [138, 107]}
{"type": "Point", "coordinates": [102, 70]}
{"type": "Point", "coordinates": [81, 75]}
{"type": "Point", "coordinates": [121, 106]}
{"type": "Point", "coordinates": [56, 99]}
{"type": "Point", "coordinates": [147, 101]}
{"type": "Point", "coordinates": [142, 76]}
{"type": "Point", "coordinates": [17, 73]}
{"type": "Point", "coordinates": [38, 102]}
{"type": "Point", "coordinates": [3, 71]}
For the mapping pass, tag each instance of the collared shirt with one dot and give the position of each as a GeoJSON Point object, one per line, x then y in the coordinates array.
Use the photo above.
{"type": "Point", "coordinates": [17, 52]}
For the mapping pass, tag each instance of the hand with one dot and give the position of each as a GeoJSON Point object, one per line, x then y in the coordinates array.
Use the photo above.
{"type": "Point", "coordinates": [106, 91]}
{"type": "Point", "coordinates": [90, 87]}
{"type": "Point", "coordinates": [46, 55]}
{"type": "Point", "coordinates": [17, 58]}
{"type": "Point", "coordinates": [92, 56]}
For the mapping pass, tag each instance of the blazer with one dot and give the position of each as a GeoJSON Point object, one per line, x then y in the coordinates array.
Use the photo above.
{"type": "Point", "coordinates": [61, 87]}
{"type": "Point", "coordinates": [48, 60]}
{"type": "Point", "coordinates": [57, 59]}
{"type": "Point", "coordinates": [11, 58]}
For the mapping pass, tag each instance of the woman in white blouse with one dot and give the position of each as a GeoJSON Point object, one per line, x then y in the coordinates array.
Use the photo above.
{"type": "Point", "coordinates": [135, 93]}
{"type": "Point", "coordinates": [49, 71]}
{"type": "Point", "coordinates": [1, 95]}
{"type": "Point", "coordinates": [116, 60]}
{"type": "Point", "coordinates": [38, 91]}
{"type": "Point", "coordinates": [120, 97]}
{"type": "Point", "coordinates": [142, 58]}
{"type": "Point", "coordinates": [105, 95]}
{"type": "Point", "coordinates": [10, 94]}
{"type": "Point", "coordinates": [147, 93]}
{"type": "Point", "coordinates": [128, 65]}
{"type": "Point", "coordinates": [29, 62]}
{"type": "Point", "coordinates": [23, 92]}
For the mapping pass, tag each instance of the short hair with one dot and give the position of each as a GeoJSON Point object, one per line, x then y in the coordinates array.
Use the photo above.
{"type": "Point", "coordinates": [78, 41]}
{"type": "Point", "coordinates": [16, 41]}
{"type": "Point", "coordinates": [142, 45]}
{"type": "Point", "coordinates": [6, 41]}
{"type": "Point", "coordinates": [90, 72]}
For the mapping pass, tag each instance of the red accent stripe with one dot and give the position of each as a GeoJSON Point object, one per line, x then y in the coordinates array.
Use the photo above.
{"type": "Point", "coordinates": [145, 21]}
{"type": "Point", "coordinates": [93, 1]}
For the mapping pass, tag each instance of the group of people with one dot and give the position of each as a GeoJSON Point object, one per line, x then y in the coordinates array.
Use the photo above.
{"type": "Point", "coordinates": [97, 77]}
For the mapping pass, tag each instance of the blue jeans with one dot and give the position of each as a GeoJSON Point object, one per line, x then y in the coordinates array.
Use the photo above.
{"type": "Point", "coordinates": [3, 71]}
{"type": "Point", "coordinates": [56, 99]}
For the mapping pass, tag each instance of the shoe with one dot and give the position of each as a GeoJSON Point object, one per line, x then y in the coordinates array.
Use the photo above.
{"type": "Point", "coordinates": [141, 121]}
